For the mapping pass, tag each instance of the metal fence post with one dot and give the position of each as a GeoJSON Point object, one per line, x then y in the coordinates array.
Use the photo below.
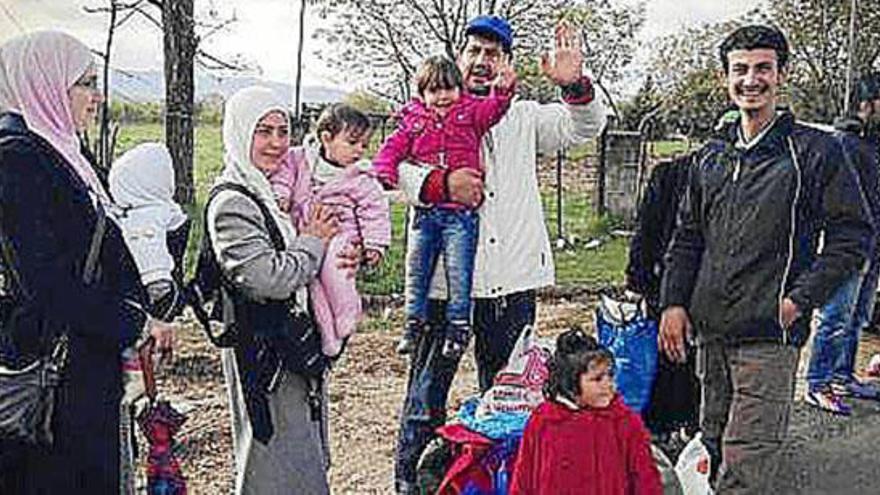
{"type": "Point", "coordinates": [600, 180]}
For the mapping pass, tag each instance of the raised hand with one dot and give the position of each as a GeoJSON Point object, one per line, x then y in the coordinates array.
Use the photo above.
{"type": "Point", "coordinates": [506, 77]}
{"type": "Point", "coordinates": [566, 65]}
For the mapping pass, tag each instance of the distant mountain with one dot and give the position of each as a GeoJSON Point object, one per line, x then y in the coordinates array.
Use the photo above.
{"type": "Point", "coordinates": [149, 86]}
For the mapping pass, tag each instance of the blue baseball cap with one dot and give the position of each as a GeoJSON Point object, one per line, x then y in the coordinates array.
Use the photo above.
{"type": "Point", "coordinates": [494, 26]}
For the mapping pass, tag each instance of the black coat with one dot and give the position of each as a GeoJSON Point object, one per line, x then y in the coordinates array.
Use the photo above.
{"type": "Point", "coordinates": [748, 232]}
{"type": "Point", "coordinates": [675, 395]}
{"type": "Point", "coordinates": [862, 149]}
{"type": "Point", "coordinates": [654, 228]}
{"type": "Point", "coordinates": [48, 217]}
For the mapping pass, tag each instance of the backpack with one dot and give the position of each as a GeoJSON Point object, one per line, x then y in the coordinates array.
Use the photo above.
{"type": "Point", "coordinates": [291, 332]}
{"type": "Point", "coordinates": [205, 292]}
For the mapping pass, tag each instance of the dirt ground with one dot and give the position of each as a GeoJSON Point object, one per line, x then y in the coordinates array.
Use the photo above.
{"type": "Point", "coordinates": [366, 391]}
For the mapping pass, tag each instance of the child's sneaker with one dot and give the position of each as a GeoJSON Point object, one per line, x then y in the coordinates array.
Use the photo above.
{"type": "Point", "coordinates": [132, 376]}
{"type": "Point", "coordinates": [857, 389]}
{"type": "Point", "coordinates": [412, 331]}
{"type": "Point", "coordinates": [452, 349]}
{"type": "Point", "coordinates": [873, 368]}
{"type": "Point", "coordinates": [827, 400]}
{"type": "Point", "coordinates": [407, 345]}
{"type": "Point", "coordinates": [456, 340]}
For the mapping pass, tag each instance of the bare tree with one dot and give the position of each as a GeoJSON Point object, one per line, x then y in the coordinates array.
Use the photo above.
{"type": "Point", "coordinates": [177, 21]}
{"type": "Point", "coordinates": [180, 48]}
{"type": "Point", "coordinates": [383, 41]}
{"type": "Point", "coordinates": [118, 13]}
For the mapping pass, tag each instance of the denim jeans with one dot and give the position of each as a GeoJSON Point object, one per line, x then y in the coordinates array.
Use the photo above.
{"type": "Point", "coordinates": [861, 317]}
{"type": "Point", "coordinates": [498, 323]}
{"type": "Point", "coordinates": [837, 333]}
{"type": "Point", "coordinates": [450, 233]}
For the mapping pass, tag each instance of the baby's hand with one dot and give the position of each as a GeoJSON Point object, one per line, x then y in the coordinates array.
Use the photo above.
{"type": "Point", "coordinates": [373, 257]}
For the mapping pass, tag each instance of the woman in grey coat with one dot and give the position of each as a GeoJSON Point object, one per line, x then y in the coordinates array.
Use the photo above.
{"type": "Point", "coordinates": [293, 456]}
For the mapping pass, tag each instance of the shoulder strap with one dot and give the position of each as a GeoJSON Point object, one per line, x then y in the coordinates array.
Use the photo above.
{"type": "Point", "coordinates": [90, 269]}
{"type": "Point", "coordinates": [274, 232]}
{"type": "Point", "coordinates": [194, 293]}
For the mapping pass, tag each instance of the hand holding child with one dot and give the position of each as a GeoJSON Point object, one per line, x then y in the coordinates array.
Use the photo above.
{"type": "Point", "coordinates": [349, 258]}
{"type": "Point", "coordinates": [373, 257]}
{"type": "Point", "coordinates": [322, 223]}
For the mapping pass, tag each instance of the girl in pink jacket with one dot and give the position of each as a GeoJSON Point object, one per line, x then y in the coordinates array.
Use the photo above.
{"type": "Point", "coordinates": [327, 170]}
{"type": "Point", "coordinates": [443, 127]}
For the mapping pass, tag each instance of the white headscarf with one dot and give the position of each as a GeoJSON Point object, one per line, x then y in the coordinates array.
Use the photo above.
{"type": "Point", "coordinates": [36, 72]}
{"type": "Point", "coordinates": [243, 111]}
{"type": "Point", "coordinates": [142, 183]}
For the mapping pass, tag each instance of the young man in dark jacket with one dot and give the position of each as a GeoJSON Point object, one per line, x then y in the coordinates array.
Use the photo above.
{"type": "Point", "coordinates": [743, 263]}
{"type": "Point", "coordinates": [832, 363]}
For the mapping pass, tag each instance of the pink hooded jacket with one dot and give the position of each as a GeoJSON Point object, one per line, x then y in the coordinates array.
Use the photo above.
{"type": "Point", "coordinates": [363, 215]}
{"type": "Point", "coordinates": [450, 142]}
{"type": "Point", "coordinates": [355, 196]}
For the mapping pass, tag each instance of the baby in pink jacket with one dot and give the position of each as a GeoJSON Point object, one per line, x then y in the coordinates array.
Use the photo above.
{"type": "Point", "coordinates": [443, 127]}
{"type": "Point", "coordinates": [327, 170]}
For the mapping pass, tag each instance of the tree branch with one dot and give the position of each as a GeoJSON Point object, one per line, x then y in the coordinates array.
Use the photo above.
{"type": "Point", "coordinates": [218, 27]}
{"type": "Point", "coordinates": [149, 17]}
{"type": "Point", "coordinates": [218, 62]}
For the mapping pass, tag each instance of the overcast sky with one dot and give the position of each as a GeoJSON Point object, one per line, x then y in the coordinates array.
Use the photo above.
{"type": "Point", "coordinates": [266, 31]}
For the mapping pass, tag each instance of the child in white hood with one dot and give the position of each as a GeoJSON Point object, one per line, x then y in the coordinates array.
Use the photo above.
{"type": "Point", "coordinates": [155, 230]}
{"type": "Point", "coordinates": [154, 226]}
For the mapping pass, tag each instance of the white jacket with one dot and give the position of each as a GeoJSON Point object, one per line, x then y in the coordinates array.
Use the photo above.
{"type": "Point", "coordinates": [513, 250]}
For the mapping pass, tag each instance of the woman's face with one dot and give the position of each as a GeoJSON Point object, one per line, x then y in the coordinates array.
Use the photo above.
{"type": "Point", "coordinates": [271, 141]}
{"type": "Point", "coordinates": [84, 99]}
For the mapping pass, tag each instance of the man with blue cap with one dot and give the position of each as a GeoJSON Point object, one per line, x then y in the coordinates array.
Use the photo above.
{"type": "Point", "coordinates": [513, 257]}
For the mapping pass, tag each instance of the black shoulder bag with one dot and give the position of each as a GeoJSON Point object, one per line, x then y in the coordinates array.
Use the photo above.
{"type": "Point", "coordinates": [27, 395]}
{"type": "Point", "coordinates": [278, 326]}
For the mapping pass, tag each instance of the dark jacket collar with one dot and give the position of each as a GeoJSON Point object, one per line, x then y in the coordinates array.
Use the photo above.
{"type": "Point", "coordinates": [12, 122]}
{"type": "Point", "coordinates": [771, 142]}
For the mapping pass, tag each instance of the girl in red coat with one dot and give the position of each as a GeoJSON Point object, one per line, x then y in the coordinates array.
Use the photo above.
{"type": "Point", "coordinates": [583, 439]}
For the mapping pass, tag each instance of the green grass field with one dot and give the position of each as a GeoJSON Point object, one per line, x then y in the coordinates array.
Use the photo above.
{"type": "Point", "coordinates": [574, 266]}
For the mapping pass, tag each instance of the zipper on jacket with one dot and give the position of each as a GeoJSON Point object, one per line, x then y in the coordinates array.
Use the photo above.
{"type": "Point", "coordinates": [737, 168]}
{"type": "Point", "coordinates": [790, 258]}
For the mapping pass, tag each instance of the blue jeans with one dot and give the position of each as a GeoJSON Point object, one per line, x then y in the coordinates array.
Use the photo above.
{"type": "Point", "coordinates": [862, 315]}
{"type": "Point", "coordinates": [840, 322]}
{"type": "Point", "coordinates": [450, 233]}
{"type": "Point", "coordinates": [498, 323]}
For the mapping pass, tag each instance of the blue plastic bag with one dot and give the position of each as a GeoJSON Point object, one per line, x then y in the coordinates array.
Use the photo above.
{"type": "Point", "coordinates": [624, 329]}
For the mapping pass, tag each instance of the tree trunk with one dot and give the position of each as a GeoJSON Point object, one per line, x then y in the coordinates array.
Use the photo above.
{"type": "Point", "coordinates": [104, 158]}
{"type": "Point", "coordinates": [180, 45]}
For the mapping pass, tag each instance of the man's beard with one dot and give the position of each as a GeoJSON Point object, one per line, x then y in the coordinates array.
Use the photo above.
{"type": "Point", "coordinates": [481, 89]}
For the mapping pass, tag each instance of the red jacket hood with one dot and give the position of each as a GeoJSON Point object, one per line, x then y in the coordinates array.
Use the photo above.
{"type": "Point", "coordinates": [556, 411]}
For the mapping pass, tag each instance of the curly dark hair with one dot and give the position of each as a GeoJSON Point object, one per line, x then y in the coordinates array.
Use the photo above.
{"type": "Point", "coordinates": [752, 38]}
{"type": "Point", "coordinates": [575, 353]}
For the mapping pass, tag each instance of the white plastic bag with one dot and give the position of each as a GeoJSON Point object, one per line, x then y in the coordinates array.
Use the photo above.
{"type": "Point", "coordinates": [518, 387]}
{"type": "Point", "coordinates": [693, 468]}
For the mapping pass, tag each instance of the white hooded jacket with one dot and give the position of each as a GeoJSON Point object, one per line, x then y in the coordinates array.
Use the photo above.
{"type": "Point", "coordinates": [142, 185]}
